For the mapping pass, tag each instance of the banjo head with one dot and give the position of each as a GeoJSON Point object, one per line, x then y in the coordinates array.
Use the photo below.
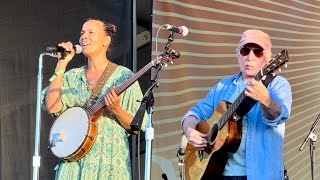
{"type": "Point", "coordinates": [68, 132]}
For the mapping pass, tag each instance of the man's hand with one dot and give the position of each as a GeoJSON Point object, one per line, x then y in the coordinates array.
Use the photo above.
{"type": "Point", "coordinates": [196, 139]}
{"type": "Point", "coordinates": [257, 91]}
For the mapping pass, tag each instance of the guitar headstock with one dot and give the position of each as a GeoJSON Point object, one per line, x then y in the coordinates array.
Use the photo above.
{"type": "Point", "coordinates": [168, 57]}
{"type": "Point", "coordinates": [275, 63]}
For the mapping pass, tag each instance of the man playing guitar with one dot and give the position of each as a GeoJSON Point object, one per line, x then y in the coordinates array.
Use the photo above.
{"type": "Point", "coordinates": [259, 153]}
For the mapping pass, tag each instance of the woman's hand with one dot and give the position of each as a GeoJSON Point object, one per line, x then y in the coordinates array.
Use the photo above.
{"type": "Point", "coordinates": [68, 46]}
{"type": "Point", "coordinates": [112, 101]}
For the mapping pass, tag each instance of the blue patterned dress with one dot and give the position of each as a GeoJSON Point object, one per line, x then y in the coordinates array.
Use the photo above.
{"type": "Point", "coordinates": [109, 158]}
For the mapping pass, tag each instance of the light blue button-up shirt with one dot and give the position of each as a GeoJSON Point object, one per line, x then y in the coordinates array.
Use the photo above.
{"type": "Point", "coordinates": [264, 137]}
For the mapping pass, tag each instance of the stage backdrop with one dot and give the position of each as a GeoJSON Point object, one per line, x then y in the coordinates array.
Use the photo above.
{"type": "Point", "coordinates": [27, 28]}
{"type": "Point", "coordinates": [208, 55]}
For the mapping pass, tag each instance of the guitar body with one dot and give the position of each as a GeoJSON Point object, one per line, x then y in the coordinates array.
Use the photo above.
{"type": "Point", "coordinates": [73, 134]}
{"type": "Point", "coordinates": [215, 156]}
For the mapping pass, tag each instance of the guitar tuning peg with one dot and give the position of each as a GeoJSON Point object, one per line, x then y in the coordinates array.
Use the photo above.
{"type": "Point", "coordinates": [165, 65]}
{"type": "Point", "coordinates": [286, 65]}
{"type": "Point", "coordinates": [279, 69]}
{"type": "Point", "coordinates": [273, 74]}
{"type": "Point", "coordinates": [264, 77]}
{"type": "Point", "coordinates": [171, 62]}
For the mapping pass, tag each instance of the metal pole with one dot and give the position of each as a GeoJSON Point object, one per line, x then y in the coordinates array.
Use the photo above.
{"type": "Point", "coordinates": [134, 36]}
{"type": "Point", "coordinates": [135, 162]}
{"type": "Point", "coordinates": [36, 156]}
{"type": "Point", "coordinates": [149, 137]}
{"type": "Point", "coordinates": [313, 139]}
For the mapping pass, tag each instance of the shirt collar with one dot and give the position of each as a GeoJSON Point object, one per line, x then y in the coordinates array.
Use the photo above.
{"type": "Point", "coordinates": [236, 77]}
{"type": "Point", "coordinates": [83, 75]}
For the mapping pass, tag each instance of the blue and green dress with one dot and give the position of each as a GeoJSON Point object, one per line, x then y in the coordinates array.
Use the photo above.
{"type": "Point", "coordinates": [109, 157]}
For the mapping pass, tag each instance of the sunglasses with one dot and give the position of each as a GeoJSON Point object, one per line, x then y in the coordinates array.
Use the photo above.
{"type": "Point", "coordinates": [257, 51]}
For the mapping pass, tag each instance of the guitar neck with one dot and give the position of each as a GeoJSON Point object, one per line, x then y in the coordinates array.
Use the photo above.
{"type": "Point", "coordinates": [241, 106]}
{"type": "Point", "coordinates": [120, 89]}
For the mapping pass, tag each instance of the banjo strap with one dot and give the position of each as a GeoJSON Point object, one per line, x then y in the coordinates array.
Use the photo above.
{"type": "Point", "coordinates": [103, 80]}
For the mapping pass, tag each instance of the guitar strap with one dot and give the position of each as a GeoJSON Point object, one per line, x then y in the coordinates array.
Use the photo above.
{"type": "Point", "coordinates": [102, 81]}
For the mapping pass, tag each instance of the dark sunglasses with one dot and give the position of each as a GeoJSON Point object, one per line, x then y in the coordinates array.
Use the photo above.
{"type": "Point", "coordinates": [257, 51]}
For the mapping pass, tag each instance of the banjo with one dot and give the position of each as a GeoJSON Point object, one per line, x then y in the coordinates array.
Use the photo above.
{"type": "Point", "coordinates": [74, 132]}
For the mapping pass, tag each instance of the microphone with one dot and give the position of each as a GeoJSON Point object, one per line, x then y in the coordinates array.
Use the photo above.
{"type": "Point", "coordinates": [58, 49]}
{"type": "Point", "coordinates": [182, 30]}
{"type": "Point", "coordinates": [183, 144]}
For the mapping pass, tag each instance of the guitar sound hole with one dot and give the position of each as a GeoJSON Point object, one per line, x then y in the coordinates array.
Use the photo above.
{"type": "Point", "coordinates": [213, 134]}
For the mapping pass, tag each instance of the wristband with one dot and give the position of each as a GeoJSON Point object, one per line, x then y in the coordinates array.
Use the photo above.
{"type": "Point", "coordinates": [57, 73]}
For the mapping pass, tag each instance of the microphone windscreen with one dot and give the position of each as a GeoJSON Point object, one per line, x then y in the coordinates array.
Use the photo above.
{"type": "Point", "coordinates": [185, 30]}
{"type": "Point", "coordinates": [77, 49]}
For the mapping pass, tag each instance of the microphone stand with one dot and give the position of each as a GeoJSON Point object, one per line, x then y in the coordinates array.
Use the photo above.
{"type": "Point", "coordinates": [149, 134]}
{"type": "Point", "coordinates": [149, 129]}
{"type": "Point", "coordinates": [170, 40]}
{"type": "Point", "coordinates": [181, 156]}
{"type": "Point", "coordinates": [36, 156]}
{"type": "Point", "coordinates": [147, 103]}
{"type": "Point", "coordinates": [313, 138]}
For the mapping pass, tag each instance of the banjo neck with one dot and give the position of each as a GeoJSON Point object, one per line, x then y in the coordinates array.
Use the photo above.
{"type": "Point", "coordinates": [91, 110]}
{"type": "Point", "coordinates": [159, 61]}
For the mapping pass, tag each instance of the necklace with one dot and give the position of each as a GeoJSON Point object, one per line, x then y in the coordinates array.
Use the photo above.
{"type": "Point", "coordinates": [91, 82]}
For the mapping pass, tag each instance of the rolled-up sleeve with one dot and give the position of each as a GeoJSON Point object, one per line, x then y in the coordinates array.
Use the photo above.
{"type": "Point", "coordinates": [280, 92]}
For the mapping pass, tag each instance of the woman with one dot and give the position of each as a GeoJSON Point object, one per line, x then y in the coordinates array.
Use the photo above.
{"type": "Point", "coordinates": [109, 157]}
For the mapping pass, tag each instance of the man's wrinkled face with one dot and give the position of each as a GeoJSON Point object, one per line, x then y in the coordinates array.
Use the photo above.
{"type": "Point", "coordinates": [251, 59]}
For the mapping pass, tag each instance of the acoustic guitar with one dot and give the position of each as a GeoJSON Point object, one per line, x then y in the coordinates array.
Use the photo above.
{"type": "Point", "coordinates": [224, 130]}
{"type": "Point", "coordinates": [74, 132]}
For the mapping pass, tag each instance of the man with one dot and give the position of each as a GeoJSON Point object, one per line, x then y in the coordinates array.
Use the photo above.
{"type": "Point", "coordinates": [260, 153]}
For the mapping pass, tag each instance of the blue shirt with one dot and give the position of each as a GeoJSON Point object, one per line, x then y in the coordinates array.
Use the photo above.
{"type": "Point", "coordinates": [264, 137]}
